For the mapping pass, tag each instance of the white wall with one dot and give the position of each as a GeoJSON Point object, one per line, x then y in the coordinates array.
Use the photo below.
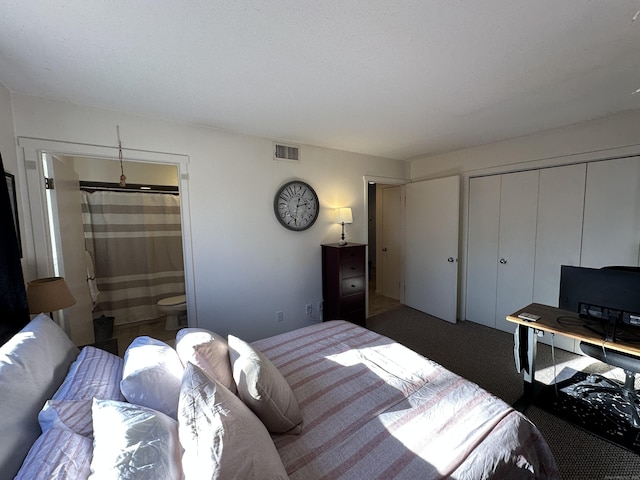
{"type": "Point", "coordinates": [246, 266]}
{"type": "Point", "coordinates": [583, 141]}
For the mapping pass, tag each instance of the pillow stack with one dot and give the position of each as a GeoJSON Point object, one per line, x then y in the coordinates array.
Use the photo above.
{"type": "Point", "coordinates": [225, 435]}
{"type": "Point", "coordinates": [203, 410]}
{"type": "Point", "coordinates": [64, 450]}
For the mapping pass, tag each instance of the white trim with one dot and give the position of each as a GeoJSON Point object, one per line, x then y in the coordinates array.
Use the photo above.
{"type": "Point", "coordinates": [37, 244]}
{"type": "Point", "coordinates": [383, 180]}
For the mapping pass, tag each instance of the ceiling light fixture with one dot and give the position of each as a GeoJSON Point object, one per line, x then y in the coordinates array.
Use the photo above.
{"type": "Point", "coordinates": [637, 91]}
{"type": "Point", "coordinates": [123, 179]}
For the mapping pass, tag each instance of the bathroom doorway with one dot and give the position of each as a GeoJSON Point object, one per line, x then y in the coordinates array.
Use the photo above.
{"type": "Point", "coordinates": [132, 240]}
{"type": "Point", "coordinates": [49, 237]}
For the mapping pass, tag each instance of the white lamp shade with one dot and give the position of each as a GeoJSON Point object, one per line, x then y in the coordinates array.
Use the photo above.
{"type": "Point", "coordinates": [343, 215]}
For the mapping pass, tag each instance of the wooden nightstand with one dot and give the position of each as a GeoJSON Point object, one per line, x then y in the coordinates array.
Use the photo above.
{"type": "Point", "coordinates": [344, 282]}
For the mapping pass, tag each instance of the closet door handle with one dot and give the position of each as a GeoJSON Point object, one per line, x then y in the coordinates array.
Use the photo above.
{"type": "Point", "coordinates": [384, 249]}
{"type": "Point", "coordinates": [503, 261]}
{"type": "Point", "coordinates": [451, 259]}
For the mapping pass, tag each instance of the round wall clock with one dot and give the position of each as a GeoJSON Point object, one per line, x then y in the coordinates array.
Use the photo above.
{"type": "Point", "coordinates": [296, 205]}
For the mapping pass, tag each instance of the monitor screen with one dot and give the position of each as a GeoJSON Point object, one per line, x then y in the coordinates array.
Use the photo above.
{"type": "Point", "coordinates": [609, 296]}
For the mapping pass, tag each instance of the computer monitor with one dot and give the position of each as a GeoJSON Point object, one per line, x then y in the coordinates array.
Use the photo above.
{"type": "Point", "coordinates": [609, 296]}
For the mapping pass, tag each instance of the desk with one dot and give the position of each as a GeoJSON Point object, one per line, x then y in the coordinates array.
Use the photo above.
{"type": "Point", "coordinates": [548, 322]}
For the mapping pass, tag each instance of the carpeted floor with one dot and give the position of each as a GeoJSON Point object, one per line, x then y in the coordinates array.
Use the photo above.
{"type": "Point", "coordinates": [485, 356]}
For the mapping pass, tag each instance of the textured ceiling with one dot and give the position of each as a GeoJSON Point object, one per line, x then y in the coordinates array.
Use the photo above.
{"type": "Point", "coordinates": [395, 79]}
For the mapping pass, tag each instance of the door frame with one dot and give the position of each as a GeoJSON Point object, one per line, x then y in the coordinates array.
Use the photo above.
{"type": "Point", "coordinates": [384, 181]}
{"type": "Point", "coordinates": [38, 243]}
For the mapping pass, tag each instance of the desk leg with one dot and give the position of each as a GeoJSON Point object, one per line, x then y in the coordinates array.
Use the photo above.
{"type": "Point", "coordinates": [532, 350]}
{"type": "Point", "coordinates": [530, 387]}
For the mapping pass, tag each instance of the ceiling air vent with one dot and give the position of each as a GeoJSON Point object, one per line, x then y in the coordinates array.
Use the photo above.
{"type": "Point", "coordinates": [286, 152]}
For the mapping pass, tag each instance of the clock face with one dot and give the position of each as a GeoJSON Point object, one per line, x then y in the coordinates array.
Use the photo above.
{"type": "Point", "coordinates": [296, 205]}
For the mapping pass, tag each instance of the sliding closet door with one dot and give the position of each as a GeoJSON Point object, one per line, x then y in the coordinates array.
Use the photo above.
{"type": "Point", "coordinates": [611, 233]}
{"type": "Point", "coordinates": [559, 230]}
{"type": "Point", "coordinates": [516, 252]}
{"type": "Point", "coordinates": [558, 235]}
{"type": "Point", "coordinates": [482, 249]}
{"type": "Point", "coordinates": [501, 246]}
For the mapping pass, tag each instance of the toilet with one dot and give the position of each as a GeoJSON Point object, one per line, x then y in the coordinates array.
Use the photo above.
{"type": "Point", "coordinates": [175, 308]}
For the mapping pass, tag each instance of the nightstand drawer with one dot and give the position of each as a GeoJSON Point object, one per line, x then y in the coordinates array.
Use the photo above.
{"type": "Point", "coordinates": [351, 303]}
{"type": "Point", "coordinates": [352, 262]}
{"type": "Point", "coordinates": [352, 285]}
{"type": "Point", "coordinates": [357, 316]}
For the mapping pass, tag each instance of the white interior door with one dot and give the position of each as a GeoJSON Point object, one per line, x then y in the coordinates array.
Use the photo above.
{"type": "Point", "coordinates": [391, 244]}
{"type": "Point", "coordinates": [431, 253]}
{"type": "Point", "coordinates": [68, 237]}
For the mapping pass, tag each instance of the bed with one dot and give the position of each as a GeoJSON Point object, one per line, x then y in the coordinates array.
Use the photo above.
{"type": "Point", "coordinates": [329, 401]}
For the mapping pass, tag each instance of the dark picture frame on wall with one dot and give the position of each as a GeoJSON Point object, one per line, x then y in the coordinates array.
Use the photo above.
{"type": "Point", "coordinates": [13, 199]}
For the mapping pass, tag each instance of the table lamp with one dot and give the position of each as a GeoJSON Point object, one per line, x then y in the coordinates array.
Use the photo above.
{"type": "Point", "coordinates": [342, 216]}
{"type": "Point", "coordinates": [48, 295]}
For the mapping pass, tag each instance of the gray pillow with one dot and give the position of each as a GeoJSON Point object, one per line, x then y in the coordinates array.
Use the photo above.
{"type": "Point", "coordinates": [221, 437]}
{"type": "Point", "coordinates": [263, 389]}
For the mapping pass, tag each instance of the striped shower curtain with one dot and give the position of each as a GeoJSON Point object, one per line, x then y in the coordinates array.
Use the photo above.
{"type": "Point", "coordinates": [134, 252]}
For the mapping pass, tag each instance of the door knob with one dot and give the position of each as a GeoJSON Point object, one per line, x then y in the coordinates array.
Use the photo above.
{"type": "Point", "coordinates": [451, 259]}
{"type": "Point", "coordinates": [384, 249]}
{"type": "Point", "coordinates": [503, 261]}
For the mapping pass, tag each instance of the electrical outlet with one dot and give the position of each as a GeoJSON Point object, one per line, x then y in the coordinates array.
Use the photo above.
{"type": "Point", "coordinates": [279, 316]}
{"type": "Point", "coordinates": [309, 311]}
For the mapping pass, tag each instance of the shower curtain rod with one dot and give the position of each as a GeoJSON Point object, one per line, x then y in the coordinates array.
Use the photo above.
{"type": "Point", "coordinates": [131, 187]}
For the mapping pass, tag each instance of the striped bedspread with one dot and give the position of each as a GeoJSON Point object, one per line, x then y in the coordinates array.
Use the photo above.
{"type": "Point", "coordinates": [374, 409]}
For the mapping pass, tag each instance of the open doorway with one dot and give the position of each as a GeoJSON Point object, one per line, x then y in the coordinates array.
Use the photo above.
{"type": "Point", "coordinates": [119, 243]}
{"type": "Point", "coordinates": [385, 246]}
{"type": "Point", "coordinates": [44, 243]}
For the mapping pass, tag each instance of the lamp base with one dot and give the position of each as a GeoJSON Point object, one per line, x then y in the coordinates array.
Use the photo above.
{"type": "Point", "coordinates": [342, 240]}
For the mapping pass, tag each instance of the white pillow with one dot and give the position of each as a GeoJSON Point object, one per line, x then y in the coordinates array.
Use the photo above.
{"type": "Point", "coordinates": [57, 454]}
{"type": "Point", "coordinates": [263, 389]}
{"type": "Point", "coordinates": [95, 373]}
{"type": "Point", "coordinates": [133, 442]}
{"type": "Point", "coordinates": [207, 350]}
{"type": "Point", "coordinates": [72, 415]}
{"type": "Point", "coordinates": [152, 375]}
{"type": "Point", "coordinates": [221, 437]}
{"type": "Point", "coordinates": [33, 364]}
